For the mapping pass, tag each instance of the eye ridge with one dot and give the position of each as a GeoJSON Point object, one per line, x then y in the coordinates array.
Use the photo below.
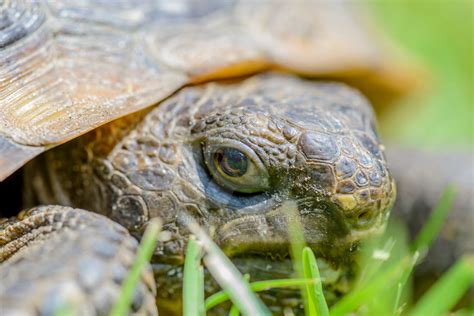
{"type": "Point", "coordinates": [231, 161]}
{"type": "Point", "coordinates": [235, 166]}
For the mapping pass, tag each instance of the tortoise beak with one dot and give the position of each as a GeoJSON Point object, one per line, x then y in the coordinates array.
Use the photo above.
{"type": "Point", "coordinates": [269, 233]}
{"type": "Point", "coordinates": [256, 233]}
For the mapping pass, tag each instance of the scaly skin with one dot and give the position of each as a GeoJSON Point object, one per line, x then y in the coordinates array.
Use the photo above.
{"type": "Point", "coordinates": [313, 143]}
{"type": "Point", "coordinates": [58, 258]}
{"type": "Point", "coordinates": [70, 67]}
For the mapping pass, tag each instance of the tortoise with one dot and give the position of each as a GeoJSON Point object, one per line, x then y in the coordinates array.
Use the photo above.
{"type": "Point", "coordinates": [219, 111]}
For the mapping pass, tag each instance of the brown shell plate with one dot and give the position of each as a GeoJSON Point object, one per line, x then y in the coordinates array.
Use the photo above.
{"type": "Point", "coordinates": [67, 67]}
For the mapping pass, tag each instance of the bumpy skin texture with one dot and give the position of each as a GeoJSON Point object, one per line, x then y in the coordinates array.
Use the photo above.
{"type": "Point", "coordinates": [58, 258]}
{"type": "Point", "coordinates": [313, 143]}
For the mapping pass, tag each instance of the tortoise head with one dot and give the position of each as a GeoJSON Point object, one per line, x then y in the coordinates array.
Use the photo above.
{"type": "Point", "coordinates": [243, 159]}
{"type": "Point", "coordinates": [231, 155]}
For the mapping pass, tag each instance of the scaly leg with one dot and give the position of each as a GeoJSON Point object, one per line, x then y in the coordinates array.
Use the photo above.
{"type": "Point", "coordinates": [54, 258]}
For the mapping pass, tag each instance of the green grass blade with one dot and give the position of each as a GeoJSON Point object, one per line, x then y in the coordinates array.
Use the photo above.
{"type": "Point", "coordinates": [432, 228]}
{"type": "Point", "coordinates": [395, 310]}
{"type": "Point", "coordinates": [193, 280]}
{"type": "Point", "coordinates": [448, 290]}
{"type": "Point", "coordinates": [234, 311]}
{"type": "Point", "coordinates": [297, 244]}
{"type": "Point", "coordinates": [376, 255]}
{"type": "Point", "coordinates": [295, 235]}
{"type": "Point", "coordinates": [257, 286]}
{"type": "Point", "coordinates": [403, 280]}
{"type": "Point", "coordinates": [354, 299]}
{"type": "Point", "coordinates": [314, 291]}
{"type": "Point", "coordinates": [228, 277]}
{"type": "Point", "coordinates": [468, 311]}
{"type": "Point", "coordinates": [374, 260]}
{"type": "Point", "coordinates": [144, 253]}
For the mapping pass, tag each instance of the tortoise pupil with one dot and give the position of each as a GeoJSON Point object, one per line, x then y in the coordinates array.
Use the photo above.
{"type": "Point", "coordinates": [231, 161]}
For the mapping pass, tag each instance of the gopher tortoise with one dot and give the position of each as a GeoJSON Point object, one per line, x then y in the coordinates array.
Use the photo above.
{"type": "Point", "coordinates": [219, 111]}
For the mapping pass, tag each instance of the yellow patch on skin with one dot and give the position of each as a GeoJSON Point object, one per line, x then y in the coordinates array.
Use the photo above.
{"type": "Point", "coordinates": [394, 191]}
{"type": "Point", "coordinates": [346, 201]}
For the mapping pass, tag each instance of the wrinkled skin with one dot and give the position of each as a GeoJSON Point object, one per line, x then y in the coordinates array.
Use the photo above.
{"type": "Point", "coordinates": [278, 138]}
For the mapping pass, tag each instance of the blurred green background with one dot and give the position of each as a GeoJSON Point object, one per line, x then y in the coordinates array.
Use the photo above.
{"type": "Point", "coordinates": [439, 33]}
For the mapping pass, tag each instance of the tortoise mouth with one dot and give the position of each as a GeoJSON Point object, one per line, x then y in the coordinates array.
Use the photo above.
{"type": "Point", "coordinates": [267, 234]}
{"type": "Point", "coordinates": [280, 267]}
{"type": "Point", "coordinates": [260, 268]}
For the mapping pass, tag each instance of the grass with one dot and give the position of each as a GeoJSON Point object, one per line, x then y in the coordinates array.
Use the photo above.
{"type": "Point", "coordinates": [431, 229]}
{"type": "Point", "coordinates": [381, 289]}
{"type": "Point", "coordinates": [258, 286]}
{"type": "Point", "coordinates": [193, 280]}
{"type": "Point", "coordinates": [145, 251]}
{"type": "Point", "coordinates": [441, 297]}
{"type": "Point", "coordinates": [387, 281]}
{"type": "Point", "coordinates": [228, 277]}
{"type": "Point", "coordinates": [314, 291]}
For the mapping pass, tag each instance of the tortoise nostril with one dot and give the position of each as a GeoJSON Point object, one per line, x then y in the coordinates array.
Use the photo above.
{"type": "Point", "coordinates": [364, 216]}
{"type": "Point", "coordinates": [364, 219]}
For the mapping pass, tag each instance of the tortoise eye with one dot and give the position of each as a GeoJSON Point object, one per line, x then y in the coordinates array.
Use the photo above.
{"type": "Point", "coordinates": [231, 161]}
{"type": "Point", "coordinates": [235, 166]}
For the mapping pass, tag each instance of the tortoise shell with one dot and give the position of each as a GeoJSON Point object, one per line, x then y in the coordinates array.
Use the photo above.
{"type": "Point", "coordinates": [67, 67]}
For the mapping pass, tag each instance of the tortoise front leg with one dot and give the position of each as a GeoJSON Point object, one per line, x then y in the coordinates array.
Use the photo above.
{"type": "Point", "coordinates": [55, 258]}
